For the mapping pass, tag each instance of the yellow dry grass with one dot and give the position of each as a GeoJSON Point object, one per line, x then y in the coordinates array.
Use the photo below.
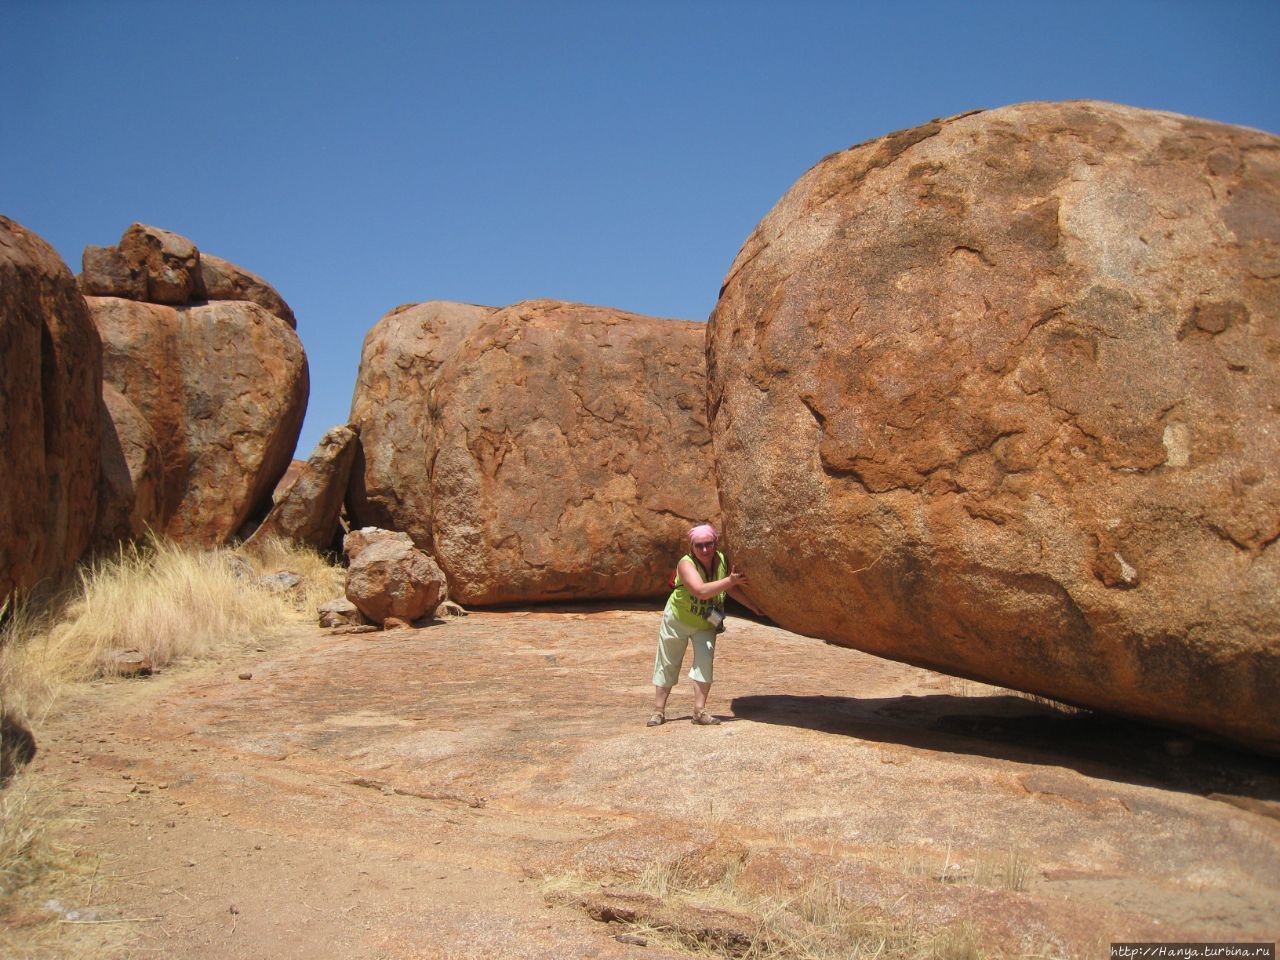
{"type": "Point", "coordinates": [167, 603]}
{"type": "Point", "coordinates": [816, 921]}
{"type": "Point", "coordinates": [38, 873]}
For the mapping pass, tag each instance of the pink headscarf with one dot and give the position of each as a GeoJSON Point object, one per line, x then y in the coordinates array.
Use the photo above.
{"type": "Point", "coordinates": [703, 530]}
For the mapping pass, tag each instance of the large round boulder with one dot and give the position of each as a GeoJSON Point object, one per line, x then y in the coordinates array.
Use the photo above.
{"type": "Point", "coordinates": [224, 386]}
{"type": "Point", "coordinates": [571, 453]}
{"type": "Point", "coordinates": [1001, 396]}
{"type": "Point", "coordinates": [50, 417]}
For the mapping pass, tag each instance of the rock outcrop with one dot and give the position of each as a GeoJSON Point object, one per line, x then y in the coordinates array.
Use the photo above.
{"type": "Point", "coordinates": [998, 396]}
{"type": "Point", "coordinates": [306, 512]}
{"type": "Point", "coordinates": [390, 484]}
{"type": "Point", "coordinates": [570, 454]}
{"type": "Point", "coordinates": [224, 386]}
{"type": "Point", "coordinates": [158, 266]}
{"type": "Point", "coordinates": [50, 418]}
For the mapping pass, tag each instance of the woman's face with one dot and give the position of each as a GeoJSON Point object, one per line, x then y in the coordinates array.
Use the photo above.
{"type": "Point", "coordinates": [704, 548]}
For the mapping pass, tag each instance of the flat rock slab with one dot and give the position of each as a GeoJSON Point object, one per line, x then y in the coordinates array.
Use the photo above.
{"type": "Point", "coordinates": [413, 795]}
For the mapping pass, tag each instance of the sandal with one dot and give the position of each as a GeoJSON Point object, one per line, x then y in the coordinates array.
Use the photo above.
{"type": "Point", "coordinates": [704, 719]}
{"type": "Point", "coordinates": [657, 720]}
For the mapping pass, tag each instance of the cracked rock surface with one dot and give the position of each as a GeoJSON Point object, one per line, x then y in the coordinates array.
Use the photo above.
{"type": "Point", "coordinates": [1002, 392]}
{"type": "Point", "coordinates": [545, 451]}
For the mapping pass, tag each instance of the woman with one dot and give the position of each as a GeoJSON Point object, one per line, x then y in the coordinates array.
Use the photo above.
{"type": "Point", "coordinates": [693, 612]}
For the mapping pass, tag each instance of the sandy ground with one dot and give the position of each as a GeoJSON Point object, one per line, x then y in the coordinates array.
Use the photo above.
{"type": "Point", "coordinates": [429, 793]}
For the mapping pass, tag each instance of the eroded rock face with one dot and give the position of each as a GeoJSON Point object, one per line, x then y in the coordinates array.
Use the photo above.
{"type": "Point", "coordinates": [390, 483]}
{"type": "Point", "coordinates": [307, 512]}
{"type": "Point", "coordinates": [571, 454]}
{"type": "Point", "coordinates": [50, 382]}
{"type": "Point", "coordinates": [1001, 394]}
{"type": "Point", "coordinates": [128, 498]}
{"type": "Point", "coordinates": [224, 386]}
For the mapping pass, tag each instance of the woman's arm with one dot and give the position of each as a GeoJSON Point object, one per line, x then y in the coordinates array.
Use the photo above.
{"type": "Point", "coordinates": [691, 577]}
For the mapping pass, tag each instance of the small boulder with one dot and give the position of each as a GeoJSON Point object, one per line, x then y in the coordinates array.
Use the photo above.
{"type": "Point", "coordinates": [340, 613]}
{"type": "Point", "coordinates": [282, 581]}
{"type": "Point", "coordinates": [106, 272]}
{"type": "Point", "coordinates": [448, 610]}
{"type": "Point", "coordinates": [169, 262]}
{"type": "Point", "coordinates": [226, 281]}
{"type": "Point", "coordinates": [127, 663]}
{"type": "Point", "coordinates": [389, 577]}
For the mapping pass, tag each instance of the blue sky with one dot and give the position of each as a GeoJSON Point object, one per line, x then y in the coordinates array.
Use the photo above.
{"type": "Point", "coordinates": [361, 156]}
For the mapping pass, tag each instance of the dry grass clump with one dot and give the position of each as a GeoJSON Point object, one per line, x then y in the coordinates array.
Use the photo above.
{"type": "Point", "coordinates": [723, 919]}
{"type": "Point", "coordinates": [37, 874]}
{"type": "Point", "coordinates": [1002, 869]}
{"type": "Point", "coordinates": [165, 602]}
{"type": "Point", "coordinates": [321, 578]}
{"type": "Point", "coordinates": [1007, 869]}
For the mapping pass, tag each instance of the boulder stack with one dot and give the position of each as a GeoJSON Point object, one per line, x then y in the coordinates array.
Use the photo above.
{"type": "Point", "coordinates": [158, 266]}
{"type": "Point", "coordinates": [224, 386]}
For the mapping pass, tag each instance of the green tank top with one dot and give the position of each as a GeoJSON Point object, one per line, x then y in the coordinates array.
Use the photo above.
{"type": "Point", "coordinates": [688, 608]}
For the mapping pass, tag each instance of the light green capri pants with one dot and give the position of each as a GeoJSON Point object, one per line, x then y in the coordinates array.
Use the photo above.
{"type": "Point", "coordinates": [673, 638]}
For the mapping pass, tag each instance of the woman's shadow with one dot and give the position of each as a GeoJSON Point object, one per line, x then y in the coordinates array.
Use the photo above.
{"type": "Point", "coordinates": [1024, 730]}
